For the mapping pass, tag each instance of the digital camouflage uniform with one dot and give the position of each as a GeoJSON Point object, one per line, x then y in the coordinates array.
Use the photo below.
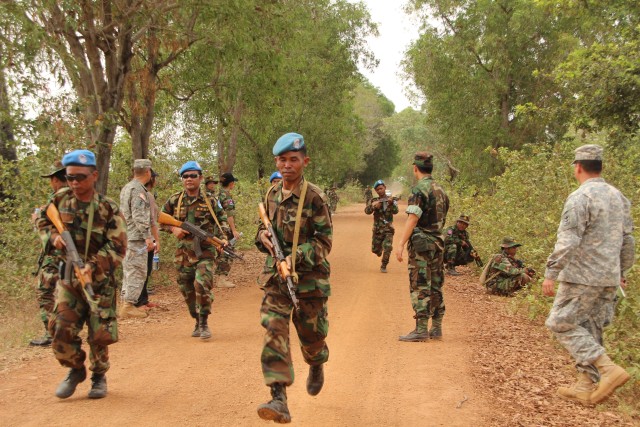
{"type": "Point", "coordinates": [313, 287]}
{"type": "Point", "coordinates": [382, 238]}
{"type": "Point", "coordinates": [195, 274]}
{"type": "Point", "coordinates": [107, 248]}
{"type": "Point", "coordinates": [426, 270]}
{"type": "Point", "coordinates": [455, 253]}
{"type": "Point", "coordinates": [229, 206]}
{"type": "Point", "coordinates": [594, 247]}
{"type": "Point", "coordinates": [505, 275]}
{"type": "Point", "coordinates": [135, 204]}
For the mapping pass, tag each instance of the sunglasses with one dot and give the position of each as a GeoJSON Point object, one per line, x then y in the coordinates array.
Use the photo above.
{"type": "Point", "coordinates": [190, 175]}
{"type": "Point", "coordinates": [78, 177]}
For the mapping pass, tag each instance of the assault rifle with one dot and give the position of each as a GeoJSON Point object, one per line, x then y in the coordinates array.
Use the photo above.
{"type": "Point", "coordinates": [281, 260]}
{"type": "Point", "coordinates": [476, 257]}
{"type": "Point", "coordinates": [199, 236]}
{"type": "Point", "coordinates": [73, 257]}
{"type": "Point", "coordinates": [527, 270]}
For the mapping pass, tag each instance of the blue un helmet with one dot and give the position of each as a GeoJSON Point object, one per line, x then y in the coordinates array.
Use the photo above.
{"type": "Point", "coordinates": [275, 175]}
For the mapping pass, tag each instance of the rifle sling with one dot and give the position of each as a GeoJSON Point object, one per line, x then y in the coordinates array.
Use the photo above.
{"type": "Point", "coordinates": [89, 226]}
{"type": "Point", "coordinates": [296, 229]}
{"type": "Point", "coordinates": [176, 214]}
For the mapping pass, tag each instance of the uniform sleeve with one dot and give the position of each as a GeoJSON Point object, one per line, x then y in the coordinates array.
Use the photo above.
{"type": "Point", "coordinates": [369, 208]}
{"type": "Point", "coordinates": [627, 252]}
{"type": "Point", "coordinates": [316, 250]}
{"type": "Point", "coordinates": [572, 225]}
{"type": "Point", "coordinates": [221, 214]}
{"type": "Point", "coordinates": [394, 207]}
{"type": "Point", "coordinates": [415, 201]}
{"type": "Point", "coordinates": [140, 212]}
{"type": "Point", "coordinates": [168, 209]}
{"type": "Point", "coordinates": [506, 268]}
{"type": "Point", "coordinates": [111, 254]}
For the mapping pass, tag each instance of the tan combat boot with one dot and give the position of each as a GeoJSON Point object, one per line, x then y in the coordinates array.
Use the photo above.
{"type": "Point", "coordinates": [581, 391]}
{"type": "Point", "coordinates": [612, 376]}
{"type": "Point", "coordinates": [223, 282]}
{"type": "Point", "coordinates": [130, 310]}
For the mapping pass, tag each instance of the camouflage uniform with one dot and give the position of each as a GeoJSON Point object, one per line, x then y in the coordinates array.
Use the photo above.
{"type": "Point", "coordinates": [594, 247]}
{"type": "Point", "coordinates": [368, 194]}
{"type": "Point", "coordinates": [333, 199]}
{"type": "Point", "coordinates": [455, 253]}
{"type": "Point", "coordinates": [313, 287]}
{"type": "Point", "coordinates": [506, 275]}
{"type": "Point", "coordinates": [195, 275]}
{"type": "Point", "coordinates": [382, 239]}
{"type": "Point", "coordinates": [430, 203]}
{"type": "Point", "coordinates": [135, 204]}
{"type": "Point", "coordinates": [107, 248]}
{"type": "Point", "coordinates": [229, 206]}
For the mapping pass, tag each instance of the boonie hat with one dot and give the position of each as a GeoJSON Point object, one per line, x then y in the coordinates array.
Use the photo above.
{"type": "Point", "coordinates": [191, 165]}
{"type": "Point", "coordinates": [288, 142]}
{"type": "Point", "coordinates": [509, 242]}
{"type": "Point", "coordinates": [79, 158]}
{"type": "Point", "coordinates": [210, 179]}
{"type": "Point", "coordinates": [54, 170]}
{"type": "Point", "coordinates": [464, 218]}
{"type": "Point", "coordinates": [588, 152]}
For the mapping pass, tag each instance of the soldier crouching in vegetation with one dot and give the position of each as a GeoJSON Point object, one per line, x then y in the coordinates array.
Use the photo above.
{"type": "Point", "coordinates": [505, 274]}
{"type": "Point", "coordinates": [458, 248]}
{"type": "Point", "coordinates": [84, 213]}
{"type": "Point", "coordinates": [383, 209]}
{"type": "Point", "coordinates": [293, 197]}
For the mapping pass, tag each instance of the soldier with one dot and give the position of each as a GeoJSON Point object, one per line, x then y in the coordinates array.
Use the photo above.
{"type": "Point", "coordinates": [228, 182]}
{"type": "Point", "coordinates": [333, 198]}
{"type": "Point", "coordinates": [86, 213]}
{"type": "Point", "coordinates": [427, 214]}
{"type": "Point", "coordinates": [309, 260]}
{"type": "Point", "coordinates": [594, 250]}
{"type": "Point", "coordinates": [275, 178]}
{"type": "Point", "coordinates": [368, 194]}
{"type": "Point", "coordinates": [143, 301]}
{"type": "Point", "coordinates": [135, 203]}
{"type": "Point", "coordinates": [457, 245]}
{"type": "Point", "coordinates": [505, 274]}
{"type": "Point", "coordinates": [210, 183]}
{"type": "Point", "coordinates": [48, 262]}
{"type": "Point", "coordinates": [383, 209]}
{"type": "Point", "coordinates": [195, 272]}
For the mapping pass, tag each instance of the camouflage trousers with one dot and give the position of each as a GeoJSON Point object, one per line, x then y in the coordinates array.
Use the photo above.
{"type": "Point", "coordinates": [224, 265]}
{"type": "Point", "coordinates": [311, 325]}
{"type": "Point", "coordinates": [382, 243]}
{"type": "Point", "coordinates": [577, 318]}
{"type": "Point", "coordinates": [506, 286]}
{"type": "Point", "coordinates": [70, 313]}
{"type": "Point", "coordinates": [457, 255]}
{"type": "Point", "coordinates": [195, 282]}
{"type": "Point", "coordinates": [134, 270]}
{"type": "Point", "coordinates": [46, 291]}
{"type": "Point", "coordinates": [426, 278]}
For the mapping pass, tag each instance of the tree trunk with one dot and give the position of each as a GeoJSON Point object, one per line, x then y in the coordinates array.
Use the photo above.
{"type": "Point", "coordinates": [7, 140]}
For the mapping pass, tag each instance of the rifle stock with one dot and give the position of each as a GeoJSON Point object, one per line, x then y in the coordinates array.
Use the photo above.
{"type": "Point", "coordinates": [281, 260]}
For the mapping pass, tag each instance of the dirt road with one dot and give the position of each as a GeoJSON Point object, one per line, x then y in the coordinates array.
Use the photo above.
{"type": "Point", "coordinates": [162, 376]}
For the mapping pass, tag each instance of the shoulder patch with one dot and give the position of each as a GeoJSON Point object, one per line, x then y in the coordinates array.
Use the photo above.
{"type": "Point", "coordinates": [142, 196]}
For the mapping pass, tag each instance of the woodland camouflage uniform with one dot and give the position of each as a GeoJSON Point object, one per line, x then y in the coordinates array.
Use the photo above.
{"type": "Point", "coordinates": [383, 231]}
{"type": "Point", "coordinates": [426, 270]}
{"type": "Point", "coordinates": [195, 274]}
{"type": "Point", "coordinates": [229, 206]}
{"type": "Point", "coordinates": [506, 275]}
{"type": "Point", "coordinates": [313, 287]}
{"type": "Point", "coordinates": [455, 253]}
{"type": "Point", "coordinates": [107, 248]}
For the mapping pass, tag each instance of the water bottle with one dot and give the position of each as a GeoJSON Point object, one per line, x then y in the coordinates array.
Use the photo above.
{"type": "Point", "coordinates": [156, 263]}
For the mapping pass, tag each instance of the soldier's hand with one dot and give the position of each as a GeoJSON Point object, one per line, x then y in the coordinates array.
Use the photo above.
{"type": "Point", "coordinates": [150, 244]}
{"type": "Point", "coordinates": [548, 287]}
{"type": "Point", "coordinates": [377, 205]}
{"type": "Point", "coordinates": [465, 244]}
{"type": "Point", "coordinates": [289, 264]}
{"type": "Point", "coordinates": [156, 250]}
{"type": "Point", "coordinates": [399, 253]}
{"type": "Point", "coordinates": [623, 283]}
{"type": "Point", "coordinates": [59, 242]}
{"type": "Point", "coordinates": [179, 232]}
{"type": "Point", "coordinates": [236, 235]}
{"type": "Point", "coordinates": [264, 237]}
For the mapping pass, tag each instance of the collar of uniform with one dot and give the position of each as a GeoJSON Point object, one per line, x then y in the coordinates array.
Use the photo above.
{"type": "Point", "coordinates": [141, 185]}
{"type": "Point", "coordinates": [295, 191]}
{"type": "Point", "coordinates": [188, 197]}
{"type": "Point", "coordinates": [591, 180]}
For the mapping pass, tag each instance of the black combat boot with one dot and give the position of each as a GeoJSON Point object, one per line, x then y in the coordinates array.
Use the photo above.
{"type": "Point", "coordinates": [45, 340]}
{"type": "Point", "coordinates": [98, 386]}
{"type": "Point", "coordinates": [205, 332]}
{"type": "Point", "coordinates": [315, 380]}
{"type": "Point", "coordinates": [68, 386]}
{"type": "Point", "coordinates": [276, 410]}
{"type": "Point", "coordinates": [420, 333]}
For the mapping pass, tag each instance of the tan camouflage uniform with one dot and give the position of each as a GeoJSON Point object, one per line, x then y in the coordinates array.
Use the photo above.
{"type": "Point", "coordinates": [135, 204]}
{"type": "Point", "coordinates": [594, 247]}
{"type": "Point", "coordinates": [107, 248]}
{"type": "Point", "coordinates": [313, 287]}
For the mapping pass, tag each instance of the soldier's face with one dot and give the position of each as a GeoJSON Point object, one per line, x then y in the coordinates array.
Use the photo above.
{"type": "Point", "coordinates": [380, 189]}
{"type": "Point", "coordinates": [191, 180]}
{"type": "Point", "coordinates": [462, 225]}
{"type": "Point", "coordinates": [81, 179]}
{"type": "Point", "coordinates": [291, 164]}
{"type": "Point", "coordinates": [511, 251]}
{"type": "Point", "coordinates": [276, 181]}
{"type": "Point", "coordinates": [211, 186]}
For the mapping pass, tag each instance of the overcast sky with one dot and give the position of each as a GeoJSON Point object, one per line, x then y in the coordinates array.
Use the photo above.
{"type": "Point", "coordinates": [396, 30]}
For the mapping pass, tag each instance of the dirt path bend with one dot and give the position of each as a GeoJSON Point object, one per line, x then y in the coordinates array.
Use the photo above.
{"type": "Point", "coordinates": [161, 376]}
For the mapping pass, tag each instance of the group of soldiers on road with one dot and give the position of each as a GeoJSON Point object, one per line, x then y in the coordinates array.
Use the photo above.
{"type": "Point", "coordinates": [594, 250]}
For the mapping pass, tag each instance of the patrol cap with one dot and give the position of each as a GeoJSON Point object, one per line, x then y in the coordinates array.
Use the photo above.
{"type": "Point", "coordinates": [210, 179]}
{"type": "Point", "coordinates": [79, 158]}
{"type": "Point", "coordinates": [275, 175]}
{"type": "Point", "coordinates": [55, 169]}
{"type": "Point", "coordinates": [588, 152]}
{"type": "Point", "coordinates": [288, 142]}
{"type": "Point", "coordinates": [509, 242]}
{"type": "Point", "coordinates": [422, 159]}
{"type": "Point", "coordinates": [464, 218]}
{"type": "Point", "coordinates": [377, 183]}
{"type": "Point", "coordinates": [191, 165]}
{"type": "Point", "coordinates": [227, 178]}
{"type": "Point", "coordinates": [141, 163]}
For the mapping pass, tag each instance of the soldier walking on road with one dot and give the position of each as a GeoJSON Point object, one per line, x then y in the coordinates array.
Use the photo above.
{"type": "Point", "coordinates": [306, 244]}
{"type": "Point", "coordinates": [99, 232]}
{"type": "Point", "coordinates": [505, 274]}
{"type": "Point", "coordinates": [383, 209]}
{"type": "Point", "coordinates": [427, 214]}
{"type": "Point", "coordinates": [195, 271]}
{"type": "Point", "coordinates": [135, 204]}
{"type": "Point", "coordinates": [48, 263]}
{"type": "Point", "coordinates": [228, 182]}
{"type": "Point", "coordinates": [594, 249]}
